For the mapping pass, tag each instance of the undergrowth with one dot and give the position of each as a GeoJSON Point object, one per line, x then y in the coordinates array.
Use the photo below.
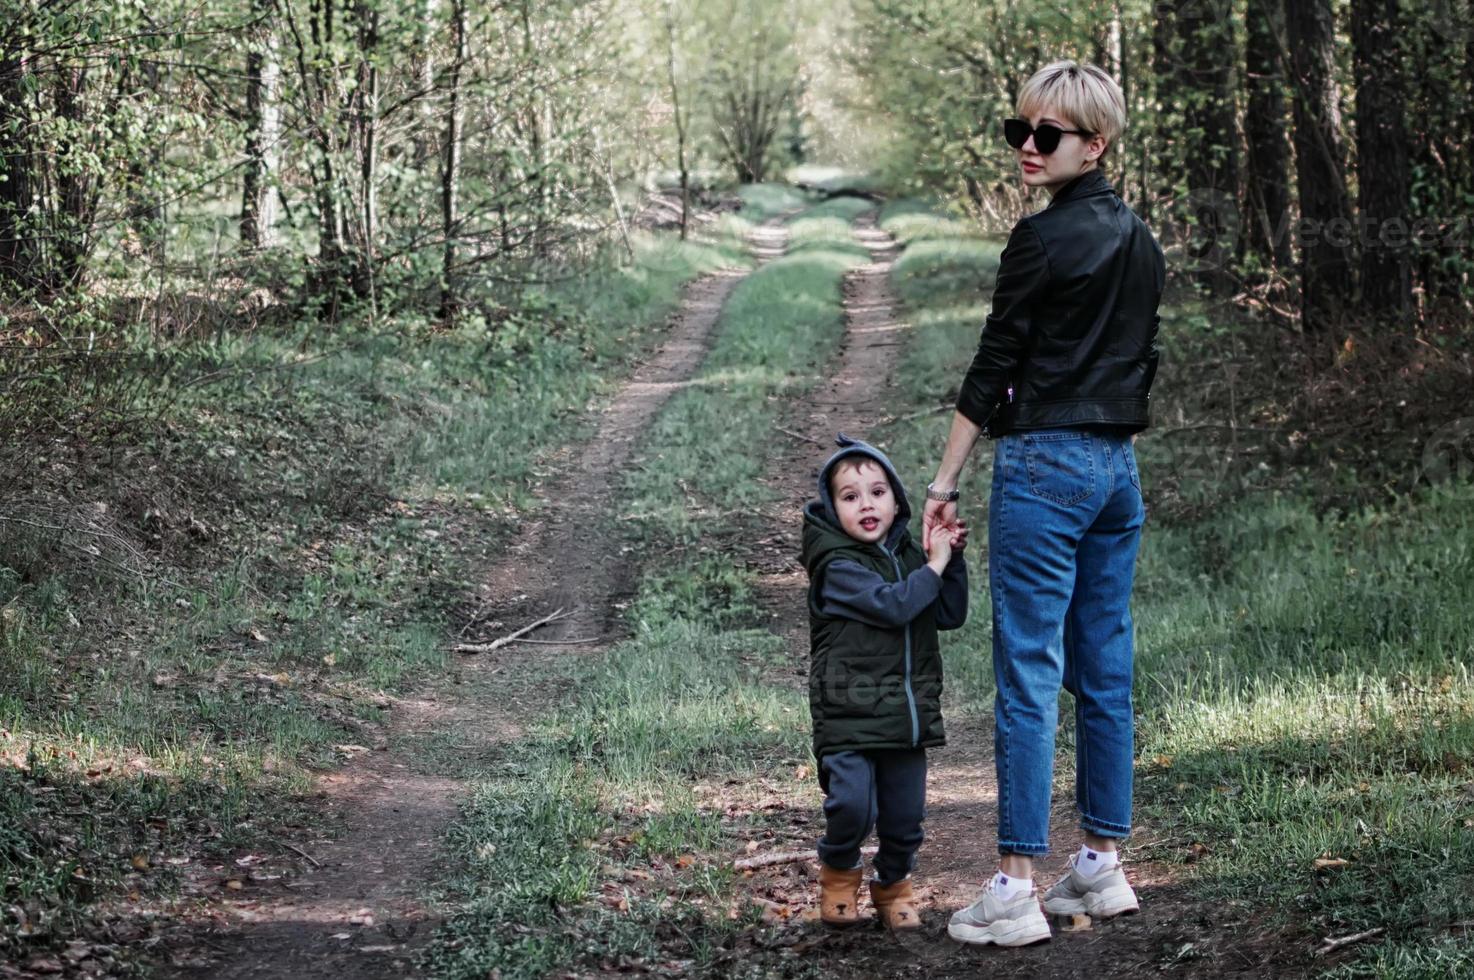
{"type": "Point", "coordinates": [227, 592]}
{"type": "Point", "coordinates": [1305, 711]}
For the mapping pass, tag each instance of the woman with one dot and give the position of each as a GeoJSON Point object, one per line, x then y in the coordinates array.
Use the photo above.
{"type": "Point", "coordinates": [1060, 382]}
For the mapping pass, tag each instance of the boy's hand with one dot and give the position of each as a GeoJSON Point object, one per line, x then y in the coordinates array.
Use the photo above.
{"type": "Point", "coordinates": [959, 535]}
{"type": "Point", "coordinates": [938, 513]}
{"type": "Point", "coordinates": [941, 550]}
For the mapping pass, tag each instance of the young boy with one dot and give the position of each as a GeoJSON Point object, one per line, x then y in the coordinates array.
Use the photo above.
{"type": "Point", "coordinates": [875, 674]}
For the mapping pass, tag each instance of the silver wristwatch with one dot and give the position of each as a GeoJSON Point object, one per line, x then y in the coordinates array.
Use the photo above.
{"type": "Point", "coordinates": [945, 496]}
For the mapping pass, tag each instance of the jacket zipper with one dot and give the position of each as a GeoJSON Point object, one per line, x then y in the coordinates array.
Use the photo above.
{"type": "Point", "coordinates": [910, 694]}
{"type": "Point", "coordinates": [994, 412]}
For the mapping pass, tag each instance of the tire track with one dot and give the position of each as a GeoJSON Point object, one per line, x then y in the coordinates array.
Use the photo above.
{"type": "Point", "coordinates": [593, 578]}
{"type": "Point", "coordinates": [357, 912]}
{"type": "Point", "coordinates": [854, 397]}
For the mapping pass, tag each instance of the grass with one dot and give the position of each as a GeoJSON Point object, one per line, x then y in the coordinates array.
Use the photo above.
{"type": "Point", "coordinates": [1302, 683]}
{"type": "Point", "coordinates": [1311, 698]}
{"type": "Point", "coordinates": [604, 838]}
{"type": "Point", "coordinates": [698, 473]}
{"type": "Point", "coordinates": [1303, 688]}
{"type": "Point", "coordinates": [624, 788]}
{"type": "Point", "coordinates": [287, 545]}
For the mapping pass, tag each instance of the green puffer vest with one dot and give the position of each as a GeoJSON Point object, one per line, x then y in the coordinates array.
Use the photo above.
{"type": "Point", "coordinates": [869, 687]}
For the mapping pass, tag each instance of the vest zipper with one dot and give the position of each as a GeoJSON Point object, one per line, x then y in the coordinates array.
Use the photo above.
{"type": "Point", "coordinates": [910, 694]}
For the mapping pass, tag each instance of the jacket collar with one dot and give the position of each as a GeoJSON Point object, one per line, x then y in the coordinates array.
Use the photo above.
{"type": "Point", "coordinates": [1088, 184]}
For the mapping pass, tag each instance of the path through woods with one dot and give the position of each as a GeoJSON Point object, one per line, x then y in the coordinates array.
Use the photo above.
{"type": "Point", "coordinates": [357, 910]}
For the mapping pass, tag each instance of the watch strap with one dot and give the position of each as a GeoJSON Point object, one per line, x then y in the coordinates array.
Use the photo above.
{"type": "Point", "coordinates": [945, 496]}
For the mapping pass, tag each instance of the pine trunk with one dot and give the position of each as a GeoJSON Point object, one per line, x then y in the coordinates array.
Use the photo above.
{"type": "Point", "coordinates": [1266, 180]}
{"type": "Point", "coordinates": [1205, 30]}
{"type": "Point", "coordinates": [1382, 159]}
{"type": "Point", "coordinates": [1320, 170]}
{"type": "Point", "coordinates": [450, 175]}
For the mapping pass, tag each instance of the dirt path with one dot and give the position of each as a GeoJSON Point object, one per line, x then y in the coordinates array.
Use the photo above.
{"type": "Point", "coordinates": [854, 398]}
{"type": "Point", "coordinates": [572, 560]}
{"type": "Point", "coordinates": [356, 911]}
{"type": "Point", "coordinates": [1170, 935]}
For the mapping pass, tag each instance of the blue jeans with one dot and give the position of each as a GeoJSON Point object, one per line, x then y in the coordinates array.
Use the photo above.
{"type": "Point", "coordinates": [1064, 522]}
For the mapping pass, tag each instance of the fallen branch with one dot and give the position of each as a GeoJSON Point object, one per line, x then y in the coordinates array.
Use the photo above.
{"type": "Point", "coordinates": [783, 857]}
{"type": "Point", "coordinates": [497, 644]}
{"type": "Point", "coordinates": [560, 643]}
{"type": "Point", "coordinates": [797, 435]}
{"type": "Point", "coordinates": [935, 409]}
{"type": "Point", "coordinates": [293, 847]}
{"type": "Point", "coordinates": [476, 618]}
{"type": "Point", "coordinates": [1331, 945]}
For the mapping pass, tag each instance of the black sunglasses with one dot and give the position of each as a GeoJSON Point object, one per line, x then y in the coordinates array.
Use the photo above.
{"type": "Point", "coordinates": [1046, 136]}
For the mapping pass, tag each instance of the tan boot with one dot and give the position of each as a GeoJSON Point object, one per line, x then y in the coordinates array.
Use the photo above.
{"type": "Point", "coordinates": [839, 895]}
{"type": "Point", "coordinates": [896, 905]}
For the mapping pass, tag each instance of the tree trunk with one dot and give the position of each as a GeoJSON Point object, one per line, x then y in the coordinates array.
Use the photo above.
{"type": "Point", "coordinates": [1205, 30]}
{"type": "Point", "coordinates": [424, 72]}
{"type": "Point", "coordinates": [675, 100]}
{"type": "Point", "coordinates": [1382, 159]}
{"type": "Point", "coordinates": [366, 100]}
{"type": "Point", "coordinates": [263, 131]}
{"type": "Point", "coordinates": [72, 226]}
{"type": "Point", "coordinates": [1266, 187]}
{"type": "Point", "coordinates": [18, 253]}
{"type": "Point", "coordinates": [145, 209]}
{"type": "Point", "coordinates": [1438, 147]}
{"type": "Point", "coordinates": [535, 118]}
{"type": "Point", "coordinates": [1161, 186]}
{"type": "Point", "coordinates": [1320, 171]}
{"type": "Point", "coordinates": [332, 245]}
{"type": "Point", "coordinates": [1120, 69]}
{"type": "Point", "coordinates": [451, 173]}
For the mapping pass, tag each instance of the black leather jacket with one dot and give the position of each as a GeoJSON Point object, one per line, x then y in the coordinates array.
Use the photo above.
{"type": "Point", "coordinates": [1072, 336]}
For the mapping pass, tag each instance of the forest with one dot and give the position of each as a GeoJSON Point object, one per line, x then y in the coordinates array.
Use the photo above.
{"type": "Point", "coordinates": [406, 408]}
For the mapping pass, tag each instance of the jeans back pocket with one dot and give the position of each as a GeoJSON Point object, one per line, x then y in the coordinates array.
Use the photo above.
{"type": "Point", "coordinates": [1061, 465]}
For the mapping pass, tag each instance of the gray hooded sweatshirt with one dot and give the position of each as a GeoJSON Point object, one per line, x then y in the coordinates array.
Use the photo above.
{"type": "Point", "coordinates": [851, 591]}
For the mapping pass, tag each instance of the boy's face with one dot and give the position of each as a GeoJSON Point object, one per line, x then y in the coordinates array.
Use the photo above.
{"type": "Point", "coordinates": [863, 499]}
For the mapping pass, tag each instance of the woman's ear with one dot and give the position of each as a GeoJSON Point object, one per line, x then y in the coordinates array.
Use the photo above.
{"type": "Point", "coordinates": [1096, 148]}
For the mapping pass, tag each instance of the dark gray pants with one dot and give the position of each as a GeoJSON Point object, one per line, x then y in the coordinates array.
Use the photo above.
{"type": "Point", "coordinates": [884, 791]}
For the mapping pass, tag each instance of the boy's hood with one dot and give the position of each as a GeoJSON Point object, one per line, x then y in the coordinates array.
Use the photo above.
{"type": "Point", "coordinates": [822, 510]}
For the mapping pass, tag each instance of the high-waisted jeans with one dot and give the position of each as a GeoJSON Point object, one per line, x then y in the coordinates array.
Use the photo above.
{"type": "Point", "coordinates": [1064, 522]}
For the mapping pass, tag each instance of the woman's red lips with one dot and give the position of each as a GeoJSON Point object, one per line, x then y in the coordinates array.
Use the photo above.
{"type": "Point", "coordinates": [1031, 167]}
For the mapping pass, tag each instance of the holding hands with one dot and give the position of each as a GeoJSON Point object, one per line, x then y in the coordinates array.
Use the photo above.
{"type": "Point", "coordinates": [942, 532]}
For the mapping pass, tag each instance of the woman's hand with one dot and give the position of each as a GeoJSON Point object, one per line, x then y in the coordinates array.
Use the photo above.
{"type": "Point", "coordinates": [960, 439]}
{"type": "Point", "coordinates": [938, 514]}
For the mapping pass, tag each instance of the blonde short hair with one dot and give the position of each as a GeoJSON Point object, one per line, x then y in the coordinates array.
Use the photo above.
{"type": "Point", "coordinates": [1085, 95]}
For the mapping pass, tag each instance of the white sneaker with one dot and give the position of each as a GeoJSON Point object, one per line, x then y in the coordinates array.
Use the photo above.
{"type": "Point", "coordinates": [1107, 894]}
{"type": "Point", "coordinates": [1018, 922]}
